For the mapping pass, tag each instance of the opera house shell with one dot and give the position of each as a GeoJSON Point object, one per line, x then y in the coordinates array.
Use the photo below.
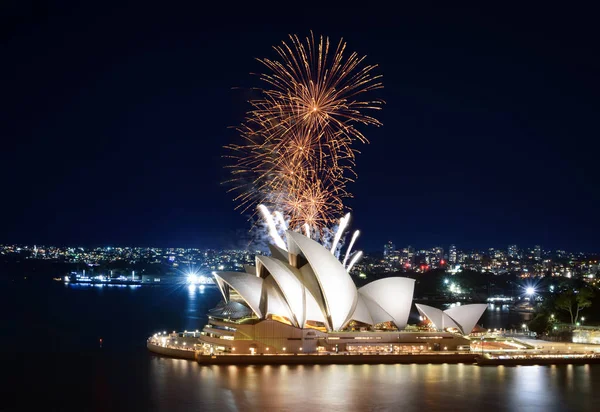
{"type": "Point", "coordinates": [303, 300]}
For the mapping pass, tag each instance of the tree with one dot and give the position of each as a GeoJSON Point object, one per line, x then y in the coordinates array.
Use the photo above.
{"type": "Point", "coordinates": [540, 324]}
{"type": "Point", "coordinates": [574, 302]}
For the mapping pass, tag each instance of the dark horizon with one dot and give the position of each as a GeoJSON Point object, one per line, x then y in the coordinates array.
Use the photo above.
{"type": "Point", "coordinates": [113, 121]}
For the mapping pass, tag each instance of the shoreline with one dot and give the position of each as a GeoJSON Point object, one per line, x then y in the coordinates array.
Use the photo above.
{"type": "Point", "coordinates": [369, 359]}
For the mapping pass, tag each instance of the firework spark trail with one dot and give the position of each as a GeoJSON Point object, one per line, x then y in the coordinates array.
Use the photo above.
{"type": "Point", "coordinates": [307, 230]}
{"type": "Point", "coordinates": [354, 236]}
{"type": "Point", "coordinates": [297, 155]}
{"type": "Point", "coordinates": [355, 258]}
{"type": "Point", "coordinates": [281, 220]}
{"type": "Point", "coordinates": [340, 230]}
{"type": "Point", "coordinates": [272, 228]}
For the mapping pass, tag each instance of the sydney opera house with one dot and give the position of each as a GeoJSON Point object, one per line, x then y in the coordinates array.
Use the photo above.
{"type": "Point", "coordinates": [303, 300]}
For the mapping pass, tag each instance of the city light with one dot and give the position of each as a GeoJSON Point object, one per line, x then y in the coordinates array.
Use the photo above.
{"type": "Point", "coordinates": [530, 290]}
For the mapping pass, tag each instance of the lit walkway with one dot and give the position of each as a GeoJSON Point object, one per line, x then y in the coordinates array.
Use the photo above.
{"type": "Point", "coordinates": [545, 345]}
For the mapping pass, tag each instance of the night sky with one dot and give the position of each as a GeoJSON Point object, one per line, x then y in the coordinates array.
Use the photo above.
{"type": "Point", "coordinates": [113, 119]}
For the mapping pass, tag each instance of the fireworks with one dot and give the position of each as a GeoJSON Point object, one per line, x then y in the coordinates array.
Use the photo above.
{"type": "Point", "coordinates": [277, 227]}
{"type": "Point", "coordinates": [296, 155]}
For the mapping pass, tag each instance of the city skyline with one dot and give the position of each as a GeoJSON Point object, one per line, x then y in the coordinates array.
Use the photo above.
{"type": "Point", "coordinates": [485, 138]}
{"type": "Point", "coordinates": [445, 249]}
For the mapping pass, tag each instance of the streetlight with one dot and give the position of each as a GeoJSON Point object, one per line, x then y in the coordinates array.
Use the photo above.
{"type": "Point", "coordinates": [530, 290]}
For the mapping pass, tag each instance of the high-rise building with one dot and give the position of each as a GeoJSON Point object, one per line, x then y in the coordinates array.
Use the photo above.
{"type": "Point", "coordinates": [537, 252]}
{"type": "Point", "coordinates": [513, 252]}
{"type": "Point", "coordinates": [437, 256]}
{"type": "Point", "coordinates": [388, 249]}
{"type": "Point", "coordinates": [452, 255]}
{"type": "Point", "coordinates": [407, 256]}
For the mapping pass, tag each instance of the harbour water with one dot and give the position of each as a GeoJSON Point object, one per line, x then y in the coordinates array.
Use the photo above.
{"type": "Point", "coordinates": [52, 356]}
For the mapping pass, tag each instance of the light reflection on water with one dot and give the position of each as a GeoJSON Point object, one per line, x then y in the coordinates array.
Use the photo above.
{"type": "Point", "coordinates": [372, 387]}
{"type": "Point", "coordinates": [62, 325]}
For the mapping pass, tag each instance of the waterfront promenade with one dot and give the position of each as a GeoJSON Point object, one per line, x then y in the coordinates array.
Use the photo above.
{"type": "Point", "coordinates": [185, 346]}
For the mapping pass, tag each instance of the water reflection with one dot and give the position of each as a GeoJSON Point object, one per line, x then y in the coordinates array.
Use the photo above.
{"type": "Point", "coordinates": [370, 387]}
{"type": "Point", "coordinates": [192, 308]}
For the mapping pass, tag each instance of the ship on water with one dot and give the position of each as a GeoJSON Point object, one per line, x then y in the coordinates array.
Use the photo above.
{"type": "Point", "coordinates": [192, 278]}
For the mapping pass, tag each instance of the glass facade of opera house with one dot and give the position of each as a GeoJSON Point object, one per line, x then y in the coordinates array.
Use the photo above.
{"type": "Point", "coordinates": [302, 300]}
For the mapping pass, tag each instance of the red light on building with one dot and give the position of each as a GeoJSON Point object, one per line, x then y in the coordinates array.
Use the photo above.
{"type": "Point", "coordinates": [443, 262]}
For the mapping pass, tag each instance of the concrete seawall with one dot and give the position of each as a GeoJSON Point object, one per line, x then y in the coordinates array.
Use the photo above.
{"type": "Point", "coordinates": [342, 359]}
{"type": "Point", "coordinates": [173, 353]}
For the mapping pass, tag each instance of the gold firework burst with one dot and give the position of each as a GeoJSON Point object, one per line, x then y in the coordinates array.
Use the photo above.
{"type": "Point", "coordinates": [296, 154]}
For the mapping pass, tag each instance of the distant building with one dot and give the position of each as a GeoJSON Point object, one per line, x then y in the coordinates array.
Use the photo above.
{"type": "Point", "coordinates": [388, 249]}
{"type": "Point", "coordinates": [452, 255]}
{"type": "Point", "coordinates": [513, 252]}
{"type": "Point", "coordinates": [437, 256]}
{"type": "Point", "coordinates": [407, 257]}
{"type": "Point", "coordinates": [537, 252]}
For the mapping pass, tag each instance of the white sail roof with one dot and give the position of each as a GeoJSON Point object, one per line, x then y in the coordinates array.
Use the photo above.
{"type": "Point", "coordinates": [338, 289]}
{"type": "Point", "coordinates": [361, 313]}
{"type": "Point", "coordinates": [289, 283]}
{"type": "Point", "coordinates": [248, 286]}
{"type": "Point", "coordinates": [466, 316]}
{"type": "Point", "coordinates": [278, 253]}
{"type": "Point", "coordinates": [394, 295]}
{"type": "Point", "coordinates": [251, 269]}
{"type": "Point", "coordinates": [436, 316]}
{"type": "Point", "coordinates": [378, 315]}
{"type": "Point", "coordinates": [275, 302]}
{"type": "Point", "coordinates": [313, 311]}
